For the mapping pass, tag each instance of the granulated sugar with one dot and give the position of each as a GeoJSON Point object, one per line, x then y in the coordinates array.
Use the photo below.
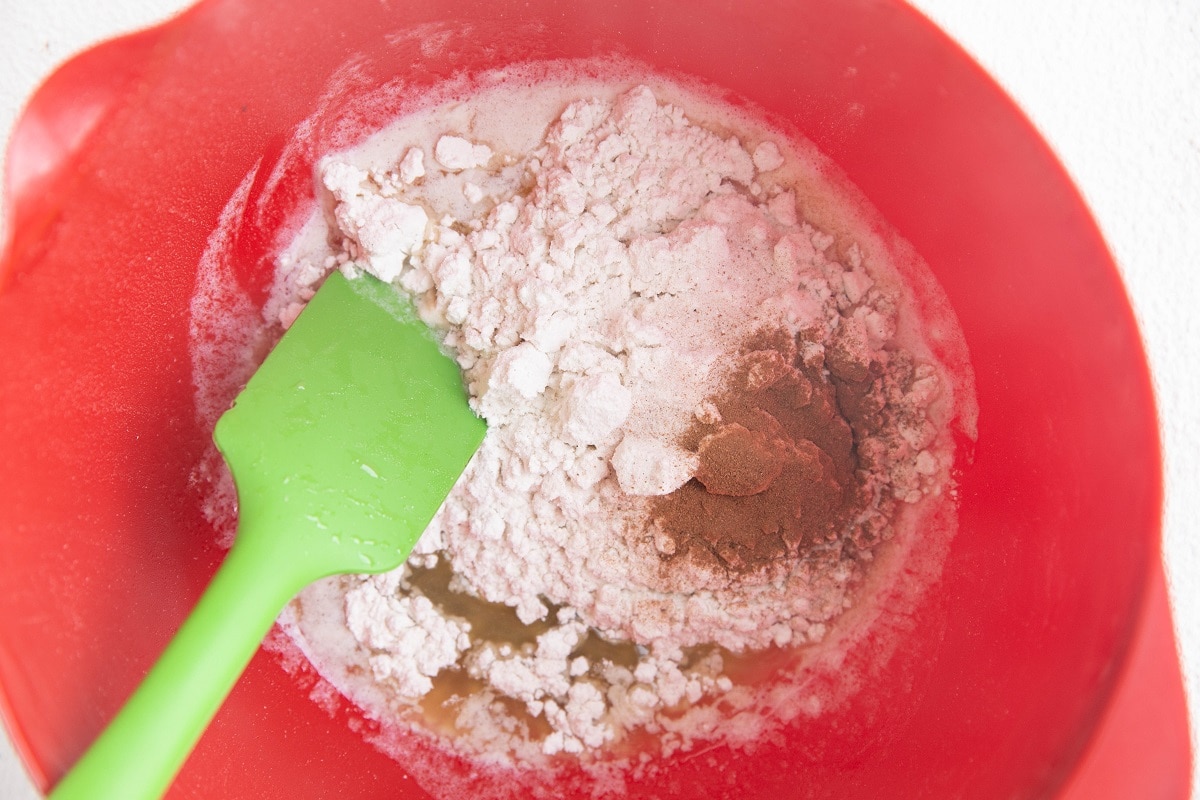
{"type": "Point", "coordinates": [715, 426]}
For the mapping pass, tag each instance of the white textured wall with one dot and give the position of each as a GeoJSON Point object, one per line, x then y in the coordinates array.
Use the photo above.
{"type": "Point", "coordinates": [1115, 88]}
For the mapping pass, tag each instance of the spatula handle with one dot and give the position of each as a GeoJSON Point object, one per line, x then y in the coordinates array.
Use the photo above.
{"type": "Point", "coordinates": [138, 754]}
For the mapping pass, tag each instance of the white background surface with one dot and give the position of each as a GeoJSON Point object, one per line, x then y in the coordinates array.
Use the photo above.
{"type": "Point", "coordinates": [1115, 88]}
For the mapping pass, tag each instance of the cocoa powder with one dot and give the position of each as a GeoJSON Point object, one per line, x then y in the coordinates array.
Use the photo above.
{"type": "Point", "coordinates": [778, 466]}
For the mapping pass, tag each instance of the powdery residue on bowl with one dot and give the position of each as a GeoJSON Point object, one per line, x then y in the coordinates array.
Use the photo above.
{"type": "Point", "coordinates": [720, 431]}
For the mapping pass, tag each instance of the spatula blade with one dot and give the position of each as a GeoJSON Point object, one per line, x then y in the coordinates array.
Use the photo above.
{"type": "Point", "coordinates": [352, 432]}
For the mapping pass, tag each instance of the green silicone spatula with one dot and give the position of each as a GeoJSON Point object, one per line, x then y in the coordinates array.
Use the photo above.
{"type": "Point", "coordinates": [343, 446]}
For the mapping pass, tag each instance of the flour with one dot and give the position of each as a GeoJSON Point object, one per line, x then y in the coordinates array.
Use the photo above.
{"type": "Point", "coordinates": [595, 308]}
{"type": "Point", "coordinates": [386, 622]}
{"type": "Point", "coordinates": [670, 356]}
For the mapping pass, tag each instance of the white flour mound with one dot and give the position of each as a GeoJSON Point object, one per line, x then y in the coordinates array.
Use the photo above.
{"type": "Point", "coordinates": [596, 271]}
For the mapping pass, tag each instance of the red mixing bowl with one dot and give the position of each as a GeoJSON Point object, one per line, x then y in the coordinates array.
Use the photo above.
{"type": "Point", "coordinates": [127, 157]}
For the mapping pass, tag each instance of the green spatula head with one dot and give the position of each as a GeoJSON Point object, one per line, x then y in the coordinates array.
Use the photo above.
{"type": "Point", "coordinates": [343, 446]}
{"type": "Point", "coordinates": [350, 434]}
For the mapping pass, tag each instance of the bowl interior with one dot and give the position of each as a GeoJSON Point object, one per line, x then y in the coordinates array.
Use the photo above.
{"type": "Point", "coordinates": [135, 149]}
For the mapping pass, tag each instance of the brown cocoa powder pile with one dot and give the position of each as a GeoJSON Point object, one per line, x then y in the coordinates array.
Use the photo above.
{"type": "Point", "coordinates": [779, 471]}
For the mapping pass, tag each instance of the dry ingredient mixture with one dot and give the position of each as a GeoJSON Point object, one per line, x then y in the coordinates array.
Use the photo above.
{"type": "Point", "coordinates": [707, 418]}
